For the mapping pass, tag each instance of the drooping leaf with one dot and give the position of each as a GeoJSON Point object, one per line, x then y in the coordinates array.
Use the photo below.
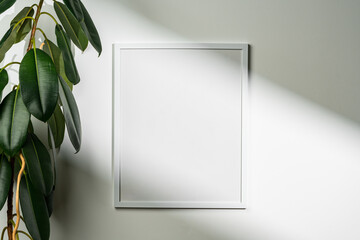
{"type": "Point", "coordinates": [39, 164]}
{"type": "Point", "coordinates": [6, 36]}
{"type": "Point", "coordinates": [71, 25]}
{"type": "Point", "coordinates": [86, 22]}
{"type": "Point", "coordinates": [55, 53]}
{"type": "Point", "coordinates": [5, 5]}
{"type": "Point", "coordinates": [69, 62]}
{"type": "Point", "coordinates": [4, 79]}
{"type": "Point", "coordinates": [53, 151]}
{"type": "Point", "coordinates": [30, 127]}
{"type": "Point", "coordinates": [39, 87]}
{"type": "Point", "coordinates": [90, 30]}
{"type": "Point", "coordinates": [14, 119]}
{"type": "Point", "coordinates": [34, 209]}
{"type": "Point", "coordinates": [57, 127]}
{"type": "Point", "coordinates": [75, 7]}
{"type": "Point", "coordinates": [24, 27]}
{"type": "Point", "coordinates": [49, 199]}
{"type": "Point", "coordinates": [5, 179]}
{"type": "Point", "coordinates": [6, 43]}
{"type": "Point", "coordinates": [71, 114]}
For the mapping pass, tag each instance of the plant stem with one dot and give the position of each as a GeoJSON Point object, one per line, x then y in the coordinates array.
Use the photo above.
{"type": "Point", "coordinates": [17, 195]}
{"type": "Point", "coordinates": [10, 202]}
{"type": "Point", "coordinates": [35, 23]}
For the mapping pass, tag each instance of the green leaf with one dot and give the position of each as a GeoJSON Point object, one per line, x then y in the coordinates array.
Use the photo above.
{"type": "Point", "coordinates": [39, 87]}
{"type": "Point", "coordinates": [86, 22]}
{"type": "Point", "coordinates": [39, 164]}
{"type": "Point", "coordinates": [57, 127]}
{"type": "Point", "coordinates": [4, 79]}
{"type": "Point", "coordinates": [55, 53]}
{"type": "Point", "coordinates": [14, 119]}
{"type": "Point", "coordinates": [71, 25]}
{"type": "Point", "coordinates": [34, 209]}
{"type": "Point", "coordinates": [22, 29]}
{"type": "Point", "coordinates": [6, 42]}
{"type": "Point", "coordinates": [71, 114]}
{"type": "Point", "coordinates": [64, 44]}
{"type": "Point", "coordinates": [30, 127]}
{"type": "Point", "coordinates": [5, 5]}
{"type": "Point", "coordinates": [75, 7]}
{"type": "Point", "coordinates": [90, 30]}
{"type": "Point", "coordinates": [49, 199]}
{"type": "Point", "coordinates": [5, 179]}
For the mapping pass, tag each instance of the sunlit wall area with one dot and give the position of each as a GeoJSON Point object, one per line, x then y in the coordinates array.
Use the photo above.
{"type": "Point", "coordinates": [304, 155]}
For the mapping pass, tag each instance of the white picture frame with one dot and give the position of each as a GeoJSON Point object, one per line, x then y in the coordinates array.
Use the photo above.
{"type": "Point", "coordinates": [165, 96]}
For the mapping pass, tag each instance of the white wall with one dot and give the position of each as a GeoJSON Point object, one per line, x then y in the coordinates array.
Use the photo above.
{"type": "Point", "coordinates": [304, 168]}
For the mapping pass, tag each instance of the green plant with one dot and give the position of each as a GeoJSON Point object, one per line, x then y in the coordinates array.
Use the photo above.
{"type": "Point", "coordinates": [44, 91]}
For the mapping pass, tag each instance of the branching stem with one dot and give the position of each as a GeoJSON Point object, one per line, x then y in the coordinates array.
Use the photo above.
{"type": "Point", "coordinates": [9, 65]}
{"type": "Point", "coordinates": [46, 13]}
{"type": "Point", "coordinates": [35, 23]}
{"type": "Point", "coordinates": [42, 32]}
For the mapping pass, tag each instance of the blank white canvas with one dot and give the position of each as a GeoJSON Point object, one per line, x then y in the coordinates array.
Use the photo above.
{"type": "Point", "coordinates": [178, 131]}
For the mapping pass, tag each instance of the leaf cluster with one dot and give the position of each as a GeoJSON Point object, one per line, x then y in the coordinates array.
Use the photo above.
{"type": "Point", "coordinates": [46, 78]}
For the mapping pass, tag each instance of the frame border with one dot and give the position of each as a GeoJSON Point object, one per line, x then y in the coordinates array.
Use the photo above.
{"type": "Point", "coordinates": [117, 47]}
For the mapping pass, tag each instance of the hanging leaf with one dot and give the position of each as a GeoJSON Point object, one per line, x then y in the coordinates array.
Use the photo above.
{"type": "Point", "coordinates": [75, 7]}
{"type": "Point", "coordinates": [5, 179]}
{"type": "Point", "coordinates": [4, 79]}
{"type": "Point", "coordinates": [55, 53]}
{"type": "Point", "coordinates": [5, 5]}
{"type": "Point", "coordinates": [90, 30]}
{"type": "Point", "coordinates": [86, 22]}
{"type": "Point", "coordinates": [49, 199]}
{"type": "Point", "coordinates": [14, 119]}
{"type": "Point", "coordinates": [39, 87]}
{"type": "Point", "coordinates": [69, 62]}
{"type": "Point", "coordinates": [34, 209]}
{"type": "Point", "coordinates": [57, 127]}
{"type": "Point", "coordinates": [30, 127]}
{"type": "Point", "coordinates": [6, 43]}
{"type": "Point", "coordinates": [39, 164]}
{"type": "Point", "coordinates": [71, 25]}
{"type": "Point", "coordinates": [71, 114]}
{"type": "Point", "coordinates": [22, 29]}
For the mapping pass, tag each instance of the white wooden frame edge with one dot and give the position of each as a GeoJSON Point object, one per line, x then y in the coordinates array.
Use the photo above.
{"type": "Point", "coordinates": [245, 125]}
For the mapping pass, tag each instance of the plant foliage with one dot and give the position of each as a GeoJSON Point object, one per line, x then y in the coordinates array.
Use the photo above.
{"type": "Point", "coordinates": [47, 73]}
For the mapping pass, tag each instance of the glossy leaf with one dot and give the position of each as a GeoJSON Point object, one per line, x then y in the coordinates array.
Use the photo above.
{"type": "Point", "coordinates": [30, 127]}
{"type": "Point", "coordinates": [39, 164]}
{"type": "Point", "coordinates": [71, 25]}
{"type": "Point", "coordinates": [6, 43]}
{"type": "Point", "coordinates": [14, 119]}
{"type": "Point", "coordinates": [5, 179]}
{"type": "Point", "coordinates": [71, 114]}
{"type": "Point", "coordinates": [69, 62]}
{"type": "Point", "coordinates": [34, 209]}
{"type": "Point", "coordinates": [86, 23]}
{"type": "Point", "coordinates": [57, 127]}
{"type": "Point", "coordinates": [5, 5]}
{"type": "Point", "coordinates": [90, 30]}
{"type": "Point", "coordinates": [49, 199]}
{"type": "Point", "coordinates": [39, 87]}
{"type": "Point", "coordinates": [4, 79]}
{"type": "Point", "coordinates": [55, 53]}
{"type": "Point", "coordinates": [22, 29]}
{"type": "Point", "coordinates": [75, 7]}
